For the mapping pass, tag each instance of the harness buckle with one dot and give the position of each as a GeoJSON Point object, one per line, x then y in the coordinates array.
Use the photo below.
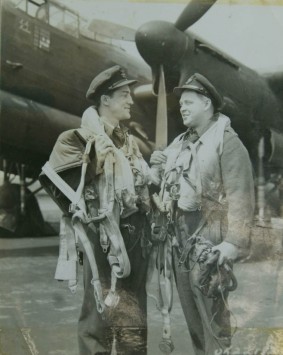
{"type": "Point", "coordinates": [73, 207]}
{"type": "Point", "coordinates": [174, 191]}
{"type": "Point", "coordinates": [158, 233]}
{"type": "Point", "coordinates": [130, 227]}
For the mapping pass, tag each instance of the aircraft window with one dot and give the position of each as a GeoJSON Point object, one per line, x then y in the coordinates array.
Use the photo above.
{"type": "Point", "coordinates": [84, 31]}
{"type": "Point", "coordinates": [64, 20]}
{"type": "Point", "coordinates": [29, 6]}
{"type": "Point", "coordinates": [71, 24]}
{"type": "Point", "coordinates": [31, 10]}
{"type": "Point", "coordinates": [42, 13]}
{"type": "Point", "coordinates": [20, 4]}
{"type": "Point", "coordinates": [59, 17]}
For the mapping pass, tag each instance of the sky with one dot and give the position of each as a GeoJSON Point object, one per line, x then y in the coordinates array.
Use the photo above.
{"type": "Point", "coordinates": [249, 32]}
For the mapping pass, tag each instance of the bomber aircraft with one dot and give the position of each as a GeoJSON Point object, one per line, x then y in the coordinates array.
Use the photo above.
{"type": "Point", "coordinates": [48, 57]}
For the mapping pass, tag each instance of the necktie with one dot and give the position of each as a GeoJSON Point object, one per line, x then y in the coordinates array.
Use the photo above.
{"type": "Point", "coordinates": [190, 136]}
{"type": "Point", "coordinates": [118, 137]}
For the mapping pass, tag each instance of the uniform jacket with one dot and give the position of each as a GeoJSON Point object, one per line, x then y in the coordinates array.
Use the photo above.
{"type": "Point", "coordinates": [225, 173]}
{"type": "Point", "coordinates": [68, 153]}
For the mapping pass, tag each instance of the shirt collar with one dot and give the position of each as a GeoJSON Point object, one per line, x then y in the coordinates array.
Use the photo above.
{"type": "Point", "coordinates": [109, 128]}
{"type": "Point", "coordinates": [210, 124]}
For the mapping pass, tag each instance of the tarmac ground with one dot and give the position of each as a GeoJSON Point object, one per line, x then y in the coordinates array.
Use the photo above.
{"type": "Point", "coordinates": [38, 315]}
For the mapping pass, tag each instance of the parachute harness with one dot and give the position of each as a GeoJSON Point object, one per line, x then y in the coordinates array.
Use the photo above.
{"type": "Point", "coordinates": [117, 256]}
{"type": "Point", "coordinates": [212, 280]}
{"type": "Point", "coordinates": [161, 260]}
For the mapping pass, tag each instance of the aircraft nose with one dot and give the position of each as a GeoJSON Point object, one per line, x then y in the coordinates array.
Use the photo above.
{"type": "Point", "coordinates": [160, 42]}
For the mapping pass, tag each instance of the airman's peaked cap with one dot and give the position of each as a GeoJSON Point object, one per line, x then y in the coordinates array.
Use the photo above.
{"type": "Point", "coordinates": [203, 86]}
{"type": "Point", "coordinates": [110, 79]}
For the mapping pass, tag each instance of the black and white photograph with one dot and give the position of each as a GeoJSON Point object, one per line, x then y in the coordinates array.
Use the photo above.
{"type": "Point", "coordinates": [141, 177]}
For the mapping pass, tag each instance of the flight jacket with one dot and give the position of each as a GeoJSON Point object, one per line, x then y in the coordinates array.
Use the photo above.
{"type": "Point", "coordinates": [225, 174]}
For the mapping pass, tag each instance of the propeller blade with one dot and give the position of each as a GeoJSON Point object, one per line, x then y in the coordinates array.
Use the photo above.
{"type": "Point", "coordinates": [112, 30]}
{"type": "Point", "coordinates": [161, 134]}
{"type": "Point", "coordinates": [192, 13]}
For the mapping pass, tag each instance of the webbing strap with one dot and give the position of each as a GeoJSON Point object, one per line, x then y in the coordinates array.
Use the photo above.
{"type": "Point", "coordinates": [72, 253]}
{"type": "Point", "coordinates": [80, 188]}
{"type": "Point", "coordinates": [150, 272]}
{"type": "Point", "coordinates": [122, 267]}
{"type": "Point", "coordinates": [62, 185]}
{"type": "Point", "coordinates": [117, 248]}
{"type": "Point", "coordinates": [197, 171]}
{"type": "Point", "coordinates": [161, 256]}
{"type": "Point", "coordinates": [66, 268]}
{"type": "Point", "coordinates": [79, 231]}
{"type": "Point", "coordinates": [166, 287]}
{"type": "Point", "coordinates": [191, 239]}
{"type": "Point", "coordinates": [117, 256]}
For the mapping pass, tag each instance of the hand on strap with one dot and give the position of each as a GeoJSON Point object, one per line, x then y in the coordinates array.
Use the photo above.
{"type": "Point", "coordinates": [103, 145]}
{"type": "Point", "coordinates": [228, 251]}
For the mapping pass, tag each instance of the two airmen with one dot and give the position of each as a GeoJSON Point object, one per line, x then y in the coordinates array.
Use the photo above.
{"type": "Point", "coordinates": [209, 168]}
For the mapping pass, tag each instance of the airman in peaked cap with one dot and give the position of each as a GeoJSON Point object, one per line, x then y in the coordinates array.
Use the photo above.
{"type": "Point", "coordinates": [201, 166]}
{"type": "Point", "coordinates": [203, 86]}
{"type": "Point", "coordinates": [110, 79]}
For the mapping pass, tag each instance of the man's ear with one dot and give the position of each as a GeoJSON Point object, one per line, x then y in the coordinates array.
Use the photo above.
{"type": "Point", "coordinates": [207, 103]}
{"type": "Point", "coordinates": [104, 100]}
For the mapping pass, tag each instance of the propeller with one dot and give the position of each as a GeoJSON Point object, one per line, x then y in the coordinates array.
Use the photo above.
{"type": "Point", "coordinates": [161, 132]}
{"type": "Point", "coordinates": [162, 44]}
{"type": "Point", "coordinates": [192, 13]}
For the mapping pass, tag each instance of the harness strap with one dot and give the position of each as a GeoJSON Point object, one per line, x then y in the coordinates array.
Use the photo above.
{"type": "Point", "coordinates": [161, 257]}
{"type": "Point", "coordinates": [80, 188]}
{"type": "Point", "coordinates": [117, 256]}
{"type": "Point", "coordinates": [165, 293]}
{"type": "Point", "coordinates": [62, 185]}
{"type": "Point", "coordinates": [67, 261]}
{"type": "Point", "coordinates": [108, 226]}
{"type": "Point", "coordinates": [72, 253]}
{"type": "Point", "coordinates": [109, 229]}
{"type": "Point", "coordinates": [197, 171]}
{"type": "Point", "coordinates": [112, 299]}
{"type": "Point", "coordinates": [79, 230]}
{"type": "Point", "coordinates": [188, 246]}
{"type": "Point", "coordinates": [81, 234]}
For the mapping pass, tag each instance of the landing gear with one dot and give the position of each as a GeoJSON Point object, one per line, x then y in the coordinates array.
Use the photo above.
{"type": "Point", "coordinates": [20, 215]}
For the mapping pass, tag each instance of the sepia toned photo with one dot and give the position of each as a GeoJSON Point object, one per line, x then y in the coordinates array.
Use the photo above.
{"type": "Point", "coordinates": [141, 177]}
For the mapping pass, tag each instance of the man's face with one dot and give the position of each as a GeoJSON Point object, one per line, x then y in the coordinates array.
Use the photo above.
{"type": "Point", "coordinates": [120, 103]}
{"type": "Point", "coordinates": [192, 108]}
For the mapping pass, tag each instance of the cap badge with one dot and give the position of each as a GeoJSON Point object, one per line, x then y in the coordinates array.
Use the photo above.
{"type": "Point", "coordinates": [123, 74]}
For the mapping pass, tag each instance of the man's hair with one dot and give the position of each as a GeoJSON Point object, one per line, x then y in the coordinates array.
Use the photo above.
{"type": "Point", "coordinates": [205, 98]}
{"type": "Point", "coordinates": [97, 99]}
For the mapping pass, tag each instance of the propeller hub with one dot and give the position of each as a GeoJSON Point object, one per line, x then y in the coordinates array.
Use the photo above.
{"type": "Point", "coordinates": [160, 42]}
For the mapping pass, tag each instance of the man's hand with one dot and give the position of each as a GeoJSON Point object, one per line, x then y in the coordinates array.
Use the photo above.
{"type": "Point", "coordinates": [103, 145]}
{"type": "Point", "coordinates": [228, 251]}
{"type": "Point", "coordinates": [158, 157]}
